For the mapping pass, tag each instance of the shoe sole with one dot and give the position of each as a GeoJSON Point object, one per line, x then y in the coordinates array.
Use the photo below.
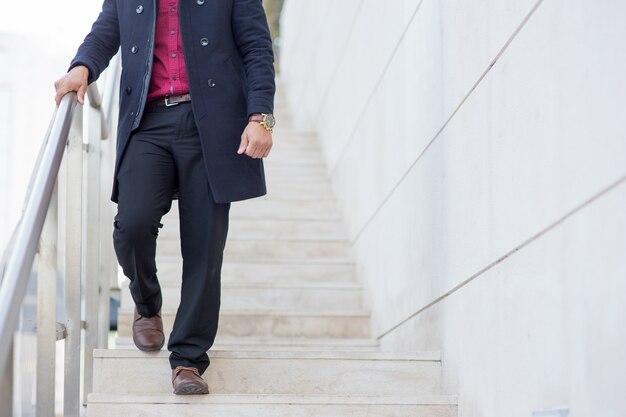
{"type": "Point", "coordinates": [191, 389]}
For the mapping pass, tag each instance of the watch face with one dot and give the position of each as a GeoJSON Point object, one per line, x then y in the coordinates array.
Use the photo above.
{"type": "Point", "coordinates": [270, 121]}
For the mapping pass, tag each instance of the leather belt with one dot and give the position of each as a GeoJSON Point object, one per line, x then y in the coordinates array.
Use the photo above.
{"type": "Point", "coordinates": [170, 101]}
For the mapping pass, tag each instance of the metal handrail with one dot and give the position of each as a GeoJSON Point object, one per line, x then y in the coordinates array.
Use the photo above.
{"type": "Point", "coordinates": [20, 262]}
{"type": "Point", "coordinates": [36, 234]}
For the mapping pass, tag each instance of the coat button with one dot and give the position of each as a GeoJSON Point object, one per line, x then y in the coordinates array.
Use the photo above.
{"type": "Point", "coordinates": [132, 113]}
{"type": "Point", "coordinates": [134, 49]}
{"type": "Point", "coordinates": [211, 83]}
{"type": "Point", "coordinates": [200, 2]}
{"type": "Point", "coordinates": [204, 41]}
{"type": "Point", "coordinates": [139, 9]}
{"type": "Point", "coordinates": [129, 90]}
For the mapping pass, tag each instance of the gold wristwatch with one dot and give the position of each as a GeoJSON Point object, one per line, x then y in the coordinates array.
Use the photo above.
{"type": "Point", "coordinates": [266, 120]}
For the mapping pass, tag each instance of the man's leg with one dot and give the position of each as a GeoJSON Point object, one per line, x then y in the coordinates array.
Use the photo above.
{"type": "Point", "coordinates": [146, 178]}
{"type": "Point", "coordinates": [203, 230]}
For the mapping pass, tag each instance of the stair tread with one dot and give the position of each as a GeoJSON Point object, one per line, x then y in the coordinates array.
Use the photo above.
{"type": "Point", "coordinates": [127, 343]}
{"type": "Point", "coordinates": [261, 273]}
{"type": "Point", "coordinates": [282, 323]}
{"type": "Point", "coordinates": [340, 285]}
{"type": "Point", "coordinates": [274, 341]}
{"type": "Point", "coordinates": [273, 239]}
{"type": "Point", "coordinates": [259, 354]}
{"type": "Point", "coordinates": [270, 217]}
{"type": "Point", "coordinates": [162, 260]}
{"type": "Point", "coordinates": [277, 372]}
{"type": "Point", "coordinates": [278, 249]}
{"type": "Point", "coordinates": [284, 228]}
{"type": "Point", "coordinates": [293, 313]}
{"type": "Point", "coordinates": [418, 399]}
{"type": "Point", "coordinates": [308, 237]}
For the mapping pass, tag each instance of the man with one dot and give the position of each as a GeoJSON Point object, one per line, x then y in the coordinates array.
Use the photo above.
{"type": "Point", "coordinates": [196, 101]}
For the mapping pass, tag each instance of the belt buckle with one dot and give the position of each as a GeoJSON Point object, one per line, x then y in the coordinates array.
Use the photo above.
{"type": "Point", "coordinates": [168, 104]}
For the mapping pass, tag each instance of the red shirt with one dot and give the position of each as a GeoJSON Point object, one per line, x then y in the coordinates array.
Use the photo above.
{"type": "Point", "coordinates": [169, 75]}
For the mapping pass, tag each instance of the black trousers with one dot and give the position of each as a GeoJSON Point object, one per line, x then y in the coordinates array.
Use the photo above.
{"type": "Point", "coordinates": [164, 154]}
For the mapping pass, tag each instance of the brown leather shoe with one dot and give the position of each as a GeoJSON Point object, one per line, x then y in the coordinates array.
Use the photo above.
{"type": "Point", "coordinates": [187, 381]}
{"type": "Point", "coordinates": [148, 332]}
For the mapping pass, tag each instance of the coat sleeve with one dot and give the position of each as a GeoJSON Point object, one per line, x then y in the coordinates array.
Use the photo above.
{"type": "Point", "coordinates": [252, 36]}
{"type": "Point", "coordinates": [102, 42]}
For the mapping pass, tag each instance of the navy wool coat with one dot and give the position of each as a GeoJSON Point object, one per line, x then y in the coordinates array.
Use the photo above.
{"type": "Point", "coordinates": [230, 67]}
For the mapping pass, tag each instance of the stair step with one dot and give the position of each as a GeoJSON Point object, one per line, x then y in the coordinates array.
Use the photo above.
{"type": "Point", "coordinates": [288, 373]}
{"type": "Point", "coordinates": [275, 324]}
{"type": "Point", "coordinates": [170, 272]}
{"type": "Point", "coordinates": [112, 405]}
{"type": "Point", "coordinates": [286, 209]}
{"type": "Point", "coordinates": [277, 262]}
{"type": "Point", "coordinates": [259, 297]}
{"type": "Point", "coordinates": [297, 146]}
{"type": "Point", "coordinates": [299, 190]}
{"type": "Point", "coordinates": [276, 344]}
{"type": "Point", "coordinates": [323, 229]}
{"type": "Point", "coordinates": [267, 207]}
{"type": "Point", "coordinates": [290, 160]}
{"type": "Point", "coordinates": [273, 208]}
{"type": "Point", "coordinates": [295, 172]}
{"type": "Point", "coordinates": [306, 173]}
{"type": "Point", "coordinates": [245, 249]}
{"type": "Point", "coordinates": [297, 156]}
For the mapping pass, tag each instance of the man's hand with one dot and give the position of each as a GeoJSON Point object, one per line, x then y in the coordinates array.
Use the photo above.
{"type": "Point", "coordinates": [74, 80]}
{"type": "Point", "coordinates": [256, 141]}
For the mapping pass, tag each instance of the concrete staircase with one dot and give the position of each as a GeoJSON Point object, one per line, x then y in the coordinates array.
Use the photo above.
{"type": "Point", "coordinates": [294, 335]}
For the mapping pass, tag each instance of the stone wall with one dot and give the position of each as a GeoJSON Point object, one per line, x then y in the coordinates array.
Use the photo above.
{"type": "Point", "coordinates": [478, 150]}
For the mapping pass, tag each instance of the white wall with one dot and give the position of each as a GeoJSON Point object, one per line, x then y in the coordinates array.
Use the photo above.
{"type": "Point", "coordinates": [460, 135]}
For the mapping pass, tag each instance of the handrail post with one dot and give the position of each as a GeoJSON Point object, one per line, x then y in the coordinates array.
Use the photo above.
{"type": "Point", "coordinates": [46, 311]}
{"type": "Point", "coordinates": [92, 244]}
{"type": "Point", "coordinates": [108, 262]}
{"type": "Point", "coordinates": [6, 383]}
{"type": "Point", "coordinates": [107, 256]}
{"type": "Point", "coordinates": [73, 258]}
